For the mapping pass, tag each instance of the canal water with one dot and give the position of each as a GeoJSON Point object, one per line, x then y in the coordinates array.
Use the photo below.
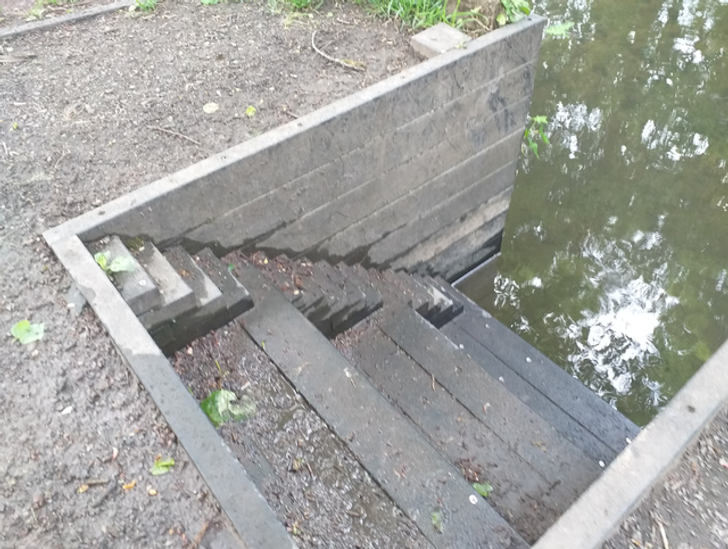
{"type": "Point", "coordinates": [614, 260]}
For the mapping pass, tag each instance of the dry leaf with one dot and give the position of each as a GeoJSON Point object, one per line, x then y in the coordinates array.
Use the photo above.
{"type": "Point", "coordinates": [82, 488]}
{"type": "Point", "coordinates": [130, 485]}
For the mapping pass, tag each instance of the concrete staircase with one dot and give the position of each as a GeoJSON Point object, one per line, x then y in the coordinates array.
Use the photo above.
{"type": "Point", "coordinates": [428, 391]}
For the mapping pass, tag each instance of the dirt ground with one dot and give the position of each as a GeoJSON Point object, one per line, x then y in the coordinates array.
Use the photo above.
{"type": "Point", "coordinates": [314, 484]}
{"type": "Point", "coordinates": [689, 508]}
{"type": "Point", "coordinates": [108, 105]}
{"type": "Point", "coordinates": [105, 106]}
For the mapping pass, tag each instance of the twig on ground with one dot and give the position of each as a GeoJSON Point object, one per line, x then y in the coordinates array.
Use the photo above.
{"type": "Point", "coordinates": [110, 490]}
{"type": "Point", "coordinates": [95, 481]}
{"type": "Point", "coordinates": [198, 537]}
{"type": "Point", "coordinates": [353, 65]}
{"type": "Point", "coordinates": [16, 58]}
{"type": "Point", "coordinates": [663, 535]}
{"type": "Point", "coordinates": [55, 166]}
{"type": "Point", "coordinates": [176, 134]}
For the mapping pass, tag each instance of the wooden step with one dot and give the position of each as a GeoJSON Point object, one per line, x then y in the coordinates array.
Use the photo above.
{"type": "Point", "coordinates": [135, 286]}
{"type": "Point", "coordinates": [486, 397]}
{"type": "Point", "coordinates": [177, 297]}
{"type": "Point", "coordinates": [528, 501]}
{"type": "Point", "coordinates": [219, 297]}
{"type": "Point", "coordinates": [545, 387]}
{"type": "Point", "coordinates": [394, 453]}
{"type": "Point", "coordinates": [331, 299]}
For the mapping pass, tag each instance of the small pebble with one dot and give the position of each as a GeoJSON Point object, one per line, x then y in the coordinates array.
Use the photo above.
{"type": "Point", "coordinates": [473, 499]}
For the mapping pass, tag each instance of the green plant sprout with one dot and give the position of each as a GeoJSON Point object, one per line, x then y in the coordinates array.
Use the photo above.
{"type": "Point", "coordinates": [119, 264]}
{"type": "Point", "coordinates": [559, 29]}
{"type": "Point", "coordinates": [146, 5]}
{"type": "Point", "coordinates": [220, 407]}
{"type": "Point", "coordinates": [534, 132]}
{"type": "Point", "coordinates": [515, 10]}
{"type": "Point", "coordinates": [25, 332]}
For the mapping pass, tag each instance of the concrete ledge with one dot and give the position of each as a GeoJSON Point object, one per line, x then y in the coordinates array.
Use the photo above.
{"type": "Point", "coordinates": [49, 23]}
{"type": "Point", "coordinates": [602, 508]}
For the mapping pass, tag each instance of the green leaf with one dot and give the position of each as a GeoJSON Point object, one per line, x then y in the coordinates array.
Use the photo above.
{"type": "Point", "coordinates": [525, 8]}
{"type": "Point", "coordinates": [102, 260]}
{"type": "Point", "coordinates": [231, 267]}
{"type": "Point", "coordinates": [540, 119]}
{"type": "Point", "coordinates": [543, 137]}
{"type": "Point", "coordinates": [25, 332]}
{"type": "Point", "coordinates": [220, 407]}
{"type": "Point", "coordinates": [161, 466]}
{"type": "Point", "coordinates": [250, 111]}
{"type": "Point", "coordinates": [534, 147]}
{"type": "Point", "coordinates": [484, 489]}
{"type": "Point", "coordinates": [122, 263]}
{"type": "Point", "coordinates": [562, 29]}
{"type": "Point", "coordinates": [437, 521]}
{"type": "Point", "coordinates": [501, 19]}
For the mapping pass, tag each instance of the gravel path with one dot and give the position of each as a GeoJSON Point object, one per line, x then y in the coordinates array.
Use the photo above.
{"type": "Point", "coordinates": [689, 508]}
{"type": "Point", "coordinates": [105, 106]}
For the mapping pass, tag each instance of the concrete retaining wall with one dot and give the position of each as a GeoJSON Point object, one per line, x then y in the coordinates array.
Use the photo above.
{"type": "Point", "coordinates": [415, 168]}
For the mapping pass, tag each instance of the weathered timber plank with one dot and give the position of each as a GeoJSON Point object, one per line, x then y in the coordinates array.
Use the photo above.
{"type": "Point", "coordinates": [520, 493]}
{"type": "Point", "coordinates": [568, 393]}
{"type": "Point", "coordinates": [528, 434]}
{"type": "Point", "coordinates": [408, 468]}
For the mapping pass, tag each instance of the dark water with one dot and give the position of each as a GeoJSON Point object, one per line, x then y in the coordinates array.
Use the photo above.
{"type": "Point", "coordinates": [615, 257]}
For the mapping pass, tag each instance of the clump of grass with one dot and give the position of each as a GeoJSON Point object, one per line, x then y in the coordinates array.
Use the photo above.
{"type": "Point", "coordinates": [146, 5]}
{"type": "Point", "coordinates": [303, 5]}
{"type": "Point", "coordinates": [41, 6]}
{"type": "Point", "coordinates": [422, 13]}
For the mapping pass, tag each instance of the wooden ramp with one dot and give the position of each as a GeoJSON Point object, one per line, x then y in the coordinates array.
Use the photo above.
{"type": "Point", "coordinates": [434, 395]}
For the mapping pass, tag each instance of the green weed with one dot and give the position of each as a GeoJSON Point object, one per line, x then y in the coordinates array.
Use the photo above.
{"type": "Point", "coordinates": [119, 264]}
{"type": "Point", "coordinates": [146, 5]}
{"type": "Point", "coordinates": [421, 13]}
{"type": "Point", "coordinates": [534, 132]}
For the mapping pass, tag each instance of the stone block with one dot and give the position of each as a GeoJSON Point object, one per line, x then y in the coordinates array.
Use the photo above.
{"type": "Point", "coordinates": [438, 39]}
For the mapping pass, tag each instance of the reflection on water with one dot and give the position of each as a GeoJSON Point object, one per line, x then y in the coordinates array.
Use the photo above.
{"type": "Point", "coordinates": [616, 247]}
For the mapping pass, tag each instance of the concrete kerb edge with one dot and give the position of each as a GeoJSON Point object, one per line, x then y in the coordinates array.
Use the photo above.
{"type": "Point", "coordinates": [598, 513]}
{"type": "Point", "coordinates": [241, 501]}
{"type": "Point", "coordinates": [45, 24]}
{"type": "Point", "coordinates": [91, 221]}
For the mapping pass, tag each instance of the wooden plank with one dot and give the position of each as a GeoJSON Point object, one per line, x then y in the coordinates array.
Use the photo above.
{"type": "Point", "coordinates": [456, 124]}
{"type": "Point", "coordinates": [176, 204]}
{"type": "Point", "coordinates": [521, 494]}
{"type": "Point", "coordinates": [530, 396]}
{"type": "Point", "coordinates": [401, 461]}
{"type": "Point", "coordinates": [528, 434]}
{"type": "Point", "coordinates": [232, 488]}
{"type": "Point", "coordinates": [577, 400]}
{"type": "Point", "coordinates": [371, 194]}
{"type": "Point", "coordinates": [423, 199]}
